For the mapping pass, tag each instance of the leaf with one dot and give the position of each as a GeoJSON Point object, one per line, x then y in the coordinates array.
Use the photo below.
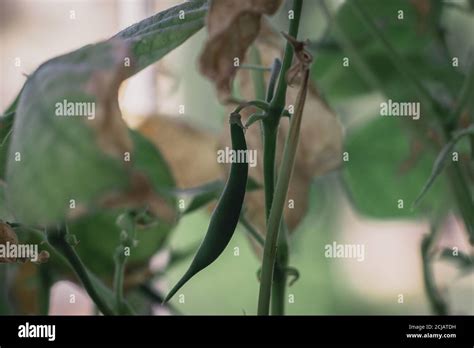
{"type": "Point", "coordinates": [99, 236]}
{"type": "Point", "coordinates": [415, 38]}
{"type": "Point", "coordinates": [155, 36]}
{"type": "Point", "coordinates": [232, 27]}
{"type": "Point", "coordinates": [6, 124]}
{"type": "Point", "coordinates": [462, 260]}
{"type": "Point", "coordinates": [372, 175]}
{"type": "Point", "coordinates": [189, 167]}
{"type": "Point", "coordinates": [78, 158]}
{"type": "Point", "coordinates": [5, 214]}
{"type": "Point", "coordinates": [440, 162]}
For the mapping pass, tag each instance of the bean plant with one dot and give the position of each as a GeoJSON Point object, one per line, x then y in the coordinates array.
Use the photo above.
{"type": "Point", "coordinates": [97, 189]}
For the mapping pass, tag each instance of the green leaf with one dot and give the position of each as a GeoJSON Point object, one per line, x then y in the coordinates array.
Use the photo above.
{"type": "Point", "coordinates": [6, 125]}
{"type": "Point", "coordinates": [153, 37]}
{"type": "Point", "coordinates": [99, 235]}
{"type": "Point", "coordinates": [5, 214]}
{"type": "Point", "coordinates": [148, 160]}
{"type": "Point", "coordinates": [373, 177]}
{"type": "Point", "coordinates": [64, 158]}
{"type": "Point", "coordinates": [414, 38]}
{"type": "Point", "coordinates": [440, 161]}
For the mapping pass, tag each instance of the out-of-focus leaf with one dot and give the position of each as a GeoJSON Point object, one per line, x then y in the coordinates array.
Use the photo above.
{"type": "Point", "coordinates": [99, 235]}
{"type": "Point", "coordinates": [6, 125]}
{"type": "Point", "coordinates": [462, 260]}
{"type": "Point", "coordinates": [372, 174]}
{"type": "Point", "coordinates": [53, 159]}
{"type": "Point", "coordinates": [440, 161]}
{"type": "Point", "coordinates": [190, 167]}
{"type": "Point", "coordinates": [415, 37]}
{"type": "Point", "coordinates": [155, 36]}
{"type": "Point", "coordinates": [204, 194]}
{"type": "Point", "coordinates": [58, 159]}
{"type": "Point", "coordinates": [5, 214]}
{"type": "Point", "coordinates": [232, 27]}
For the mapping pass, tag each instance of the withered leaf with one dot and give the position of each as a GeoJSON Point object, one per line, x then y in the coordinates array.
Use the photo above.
{"type": "Point", "coordinates": [190, 167]}
{"type": "Point", "coordinates": [232, 26]}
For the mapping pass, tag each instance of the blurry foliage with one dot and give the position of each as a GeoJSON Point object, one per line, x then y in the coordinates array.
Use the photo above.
{"type": "Point", "coordinates": [387, 162]}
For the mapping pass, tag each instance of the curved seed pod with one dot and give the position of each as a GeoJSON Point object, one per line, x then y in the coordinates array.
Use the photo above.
{"type": "Point", "coordinates": [225, 216]}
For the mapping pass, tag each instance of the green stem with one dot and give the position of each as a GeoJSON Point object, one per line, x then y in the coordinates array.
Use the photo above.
{"type": "Point", "coordinates": [257, 75]}
{"type": "Point", "coordinates": [5, 307]}
{"type": "Point", "coordinates": [437, 302]}
{"type": "Point", "coordinates": [57, 238]}
{"type": "Point", "coordinates": [120, 260]}
{"type": "Point", "coordinates": [127, 239]}
{"type": "Point", "coordinates": [44, 290]}
{"type": "Point", "coordinates": [462, 194]}
{"type": "Point", "coordinates": [270, 132]}
{"type": "Point", "coordinates": [279, 273]}
{"type": "Point", "coordinates": [269, 136]}
{"type": "Point", "coordinates": [252, 231]}
{"type": "Point", "coordinates": [280, 93]}
{"type": "Point", "coordinates": [273, 277]}
{"type": "Point", "coordinates": [276, 212]}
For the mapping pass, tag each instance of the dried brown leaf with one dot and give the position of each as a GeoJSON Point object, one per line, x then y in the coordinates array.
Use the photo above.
{"type": "Point", "coordinates": [232, 26]}
{"type": "Point", "coordinates": [110, 128]}
{"type": "Point", "coordinates": [178, 142]}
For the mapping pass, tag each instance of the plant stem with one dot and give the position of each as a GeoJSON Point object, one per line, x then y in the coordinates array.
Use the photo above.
{"type": "Point", "coordinates": [273, 278]}
{"type": "Point", "coordinates": [279, 272]}
{"type": "Point", "coordinates": [44, 290]}
{"type": "Point", "coordinates": [5, 308]}
{"type": "Point", "coordinates": [57, 238]}
{"type": "Point", "coordinates": [120, 260]}
{"type": "Point", "coordinates": [276, 212]}
{"type": "Point", "coordinates": [438, 304]}
{"type": "Point", "coordinates": [462, 194]}
{"type": "Point", "coordinates": [252, 231]}
{"type": "Point", "coordinates": [280, 93]}
{"type": "Point", "coordinates": [127, 240]}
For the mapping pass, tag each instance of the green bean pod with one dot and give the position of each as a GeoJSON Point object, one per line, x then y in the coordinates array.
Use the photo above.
{"type": "Point", "coordinates": [226, 214]}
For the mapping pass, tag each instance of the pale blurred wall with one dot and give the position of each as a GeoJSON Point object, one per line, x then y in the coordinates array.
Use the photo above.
{"type": "Point", "coordinates": [39, 30]}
